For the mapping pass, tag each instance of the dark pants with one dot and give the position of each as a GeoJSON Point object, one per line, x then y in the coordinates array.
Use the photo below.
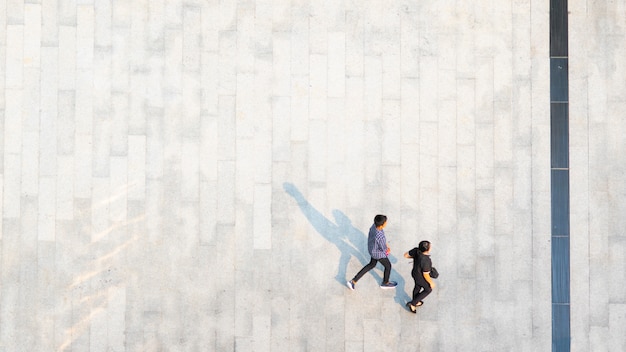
{"type": "Point", "coordinates": [384, 261]}
{"type": "Point", "coordinates": [421, 290]}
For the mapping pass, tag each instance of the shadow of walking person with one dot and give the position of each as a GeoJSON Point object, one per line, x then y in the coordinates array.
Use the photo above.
{"type": "Point", "coordinates": [347, 238]}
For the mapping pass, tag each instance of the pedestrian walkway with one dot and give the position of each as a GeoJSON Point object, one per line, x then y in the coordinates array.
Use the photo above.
{"type": "Point", "coordinates": [191, 175]}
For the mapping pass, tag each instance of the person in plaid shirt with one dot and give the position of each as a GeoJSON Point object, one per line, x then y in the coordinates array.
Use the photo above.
{"type": "Point", "coordinates": [378, 250]}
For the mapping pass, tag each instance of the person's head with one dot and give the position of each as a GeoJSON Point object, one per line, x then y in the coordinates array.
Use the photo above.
{"type": "Point", "coordinates": [380, 220]}
{"type": "Point", "coordinates": [424, 246]}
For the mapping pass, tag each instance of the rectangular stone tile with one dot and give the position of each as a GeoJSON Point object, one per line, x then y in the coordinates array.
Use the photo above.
{"type": "Point", "coordinates": [48, 117]}
{"type": "Point", "coordinates": [409, 45]}
{"type": "Point", "coordinates": [354, 36]}
{"type": "Point", "coordinates": [97, 331]}
{"type": "Point", "coordinates": [299, 108]}
{"type": "Point", "coordinates": [617, 274]}
{"type": "Point", "coordinates": [617, 314]}
{"type": "Point", "coordinates": [13, 123]}
{"type": "Point", "coordinates": [45, 299]}
{"type": "Point", "coordinates": [503, 196]}
{"type": "Point", "coordinates": [49, 23]}
{"type": "Point", "coordinates": [336, 64]}
{"type": "Point", "coordinates": [192, 28]}
{"type": "Point", "coordinates": [65, 125]}
{"type": "Point", "coordinates": [12, 188]}
{"type": "Point", "coordinates": [120, 53]}
{"type": "Point", "coordinates": [372, 88]}
{"type": "Point", "coordinates": [83, 167]}
{"type": "Point", "coordinates": [119, 189]}
{"type": "Point", "coordinates": [263, 156]}
{"type": "Point", "coordinates": [227, 61]}
{"type": "Point", "coordinates": [317, 151]}
{"type": "Point", "coordinates": [172, 65]}
{"type": "Point", "coordinates": [503, 140]}
{"type": "Point", "coordinates": [101, 145]}
{"type": "Point", "coordinates": [354, 99]}
{"type": "Point", "coordinates": [64, 193]}
{"type": "Point", "coordinates": [446, 203]}
{"type": "Point", "coordinates": [466, 178]}
{"type": "Point", "coordinates": [485, 222]}
{"type": "Point", "coordinates": [30, 163]}
{"type": "Point", "coordinates": [484, 156]}
{"type": "Point", "coordinates": [391, 179]}
{"type": "Point", "coordinates": [210, 86]}
{"type": "Point", "coordinates": [409, 160]}
{"type": "Point", "coordinates": [208, 148]}
{"type": "Point", "coordinates": [261, 332]}
{"type": "Point", "coordinates": [84, 37]}
{"type": "Point", "coordinates": [101, 208]}
{"type": "Point", "coordinates": [244, 105]}
{"type": "Point", "coordinates": [84, 112]}
{"type": "Point", "coordinates": [136, 176]}
{"type": "Point", "coordinates": [32, 97]}
{"type": "Point", "coordinates": [371, 132]}
{"type": "Point", "coordinates": [262, 216]}
{"type": "Point", "coordinates": [32, 35]}
{"type": "Point", "coordinates": [281, 129]}
{"type": "Point", "coordinates": [391, 139]}
{"type": "Point", "coordinates": [190, 167]}
{"type": "Point", "coordinates": [10, 293]}
{"type": "Point", "coordinates": [208, 210]}
{"type": "Point", "coordinates": [392, 69]}
{"type": "Point", "coordinates": [14, 57]}
{"type": "Point", "coordinates": [409, 109]}
{"type": "Point", "coordinates": [300, 43]}
{"type": "Point", "coordinates": [47, 209]}
{"type": "Point", "coordinates": [245, 171]}
{"type": "Point", "coordinates": [428, 89]}
{"type": "Point", "coordinates": [281, 63]}
{"type": "Point", "coordinates": [226, 128]}
{"type": "Point", "coordinates": [154, 208]}
{"type": "Point", "coordinates": [318, 87]}
{"type": "Point", "coordinates": [226, 192]}
{"type": "Point", "coordinates": [504, 273]}
{"type": "Point", "coordinates": [1, 203]}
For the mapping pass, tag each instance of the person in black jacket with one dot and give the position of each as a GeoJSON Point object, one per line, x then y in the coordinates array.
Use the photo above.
{"type": "Point", "coordinates": [422, 265]}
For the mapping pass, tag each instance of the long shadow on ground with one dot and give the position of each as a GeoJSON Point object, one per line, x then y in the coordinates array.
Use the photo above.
{"type": "Point", "coordinates": [350, 241]}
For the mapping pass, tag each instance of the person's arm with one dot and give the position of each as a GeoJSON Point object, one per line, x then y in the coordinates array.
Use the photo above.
{"type": "Point", "coordinates": [411, 254]}
{"type": "Point", "coordinates": [429, 279]}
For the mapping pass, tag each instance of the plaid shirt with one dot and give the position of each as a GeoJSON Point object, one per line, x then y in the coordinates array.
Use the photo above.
{"type": "Point", "coordinates": [377, 243]}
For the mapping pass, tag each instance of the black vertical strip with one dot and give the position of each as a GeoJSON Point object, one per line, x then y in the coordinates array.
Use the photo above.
{"type": "Point", "coordinates": [559, 163]}
{"type": "Point", "coordinates": [560, 274]}
{"type": "Point", "coordinates": [560, 204]}
{"type": "Point", "coordinates": [561, 331]}
{"type": "Point", "coordinates": [559, 126]}
{"type": "Point", "coordinates": [558, 79]}
{"type": "Point", "coordinates": [558, 28]}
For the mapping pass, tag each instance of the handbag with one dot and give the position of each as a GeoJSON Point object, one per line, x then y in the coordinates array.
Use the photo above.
{"type": "Point", "coordinates": [434, 273]}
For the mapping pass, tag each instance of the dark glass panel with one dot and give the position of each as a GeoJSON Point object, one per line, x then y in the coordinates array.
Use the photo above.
{"type": "Point", "coordinates": [558, 28]}
{"type": "Point", "coordinates": [560, 327]}
{"type": "Point", "coordinates": [558, 80]}
{"type": "Point", "coordinates": [560, 202]}
{"type": "Point", "coordinates": [559, 135]}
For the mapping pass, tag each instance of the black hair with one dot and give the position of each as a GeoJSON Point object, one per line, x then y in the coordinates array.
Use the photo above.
{"type": "Point", "coordinates": [379, 220]}
{"type": "Point", "coordinates": [424, 246]}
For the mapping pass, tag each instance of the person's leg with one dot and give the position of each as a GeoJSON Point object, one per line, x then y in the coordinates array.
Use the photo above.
{"type": "Point", "coordinates": [387, 264]}
{"type": "Point", "coordinates": [426, 290]}
{"type": "Point", "coordinates": [365, 269]}
{"type": "Point", "coordinates": [416, 291]}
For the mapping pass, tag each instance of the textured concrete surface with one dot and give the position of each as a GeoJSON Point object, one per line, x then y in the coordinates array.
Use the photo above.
{"type": "Point", "coordinates": [200, 175]}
